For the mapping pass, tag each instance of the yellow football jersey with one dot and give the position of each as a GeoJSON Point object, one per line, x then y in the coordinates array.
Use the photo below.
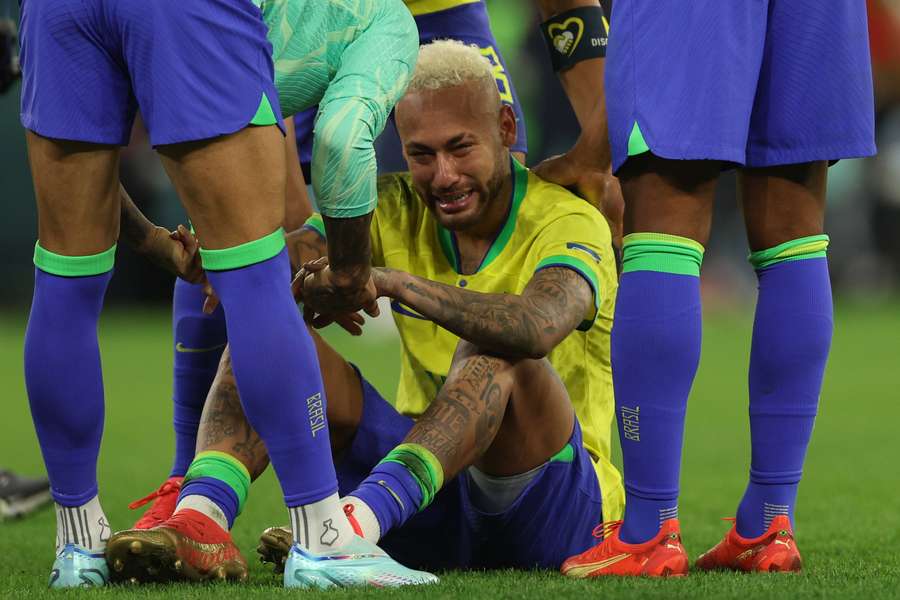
{"type": "Point", "coordinates": [546, 226]}
{"type": "Point", "coordinates": [424, 7]}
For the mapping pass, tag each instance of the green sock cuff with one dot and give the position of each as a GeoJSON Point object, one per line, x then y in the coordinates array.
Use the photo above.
{"type": "Point", "coordinates": [424, 466]}
{"type": "Point", "coordinates": [662, 253]}
{"type": "Point", "coordinates": [74, 266]}
{"type": "Point", "coordinates": [223, 467]}
{"type": "Point", "coordinates": [246, 254]}
{"type": "Point", "coordinates": [813, 246]}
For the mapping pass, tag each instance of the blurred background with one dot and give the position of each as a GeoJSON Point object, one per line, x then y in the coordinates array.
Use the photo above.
{"type": "Point", "coordinates": [863, 216]}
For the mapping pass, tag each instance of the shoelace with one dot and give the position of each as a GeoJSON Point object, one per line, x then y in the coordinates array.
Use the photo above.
{"type": "Point", "coordinates": [169, 487]}
{"type": "Point", "coordinates": [605, 528]}
{"type": "Point", "coordinates": [354, 523]}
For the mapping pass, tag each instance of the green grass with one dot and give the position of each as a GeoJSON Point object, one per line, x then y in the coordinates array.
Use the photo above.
{"type": "Point", "coordinates": [848, 523]}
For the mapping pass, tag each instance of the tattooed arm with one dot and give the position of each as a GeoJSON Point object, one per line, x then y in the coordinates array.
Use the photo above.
{"type": "Point", "coordinates": [305, 245]}
{"type": "Point", "coordinates": [527, 326]}
{"type": "Point", "coordinates": [175, 252]}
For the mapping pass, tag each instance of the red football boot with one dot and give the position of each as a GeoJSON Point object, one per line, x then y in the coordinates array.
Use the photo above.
{"type": "Point", "coordinates": [187, 546]}
{"type": "Point", "coordinates": [774, 551]}
{"type": "Point", "coordinates": [661, 556]}
{"type": "Point", "coordinates": [164, 501]}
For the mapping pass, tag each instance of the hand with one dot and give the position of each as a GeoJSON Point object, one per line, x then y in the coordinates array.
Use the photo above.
{"type": "Point", "coordinates": [598, 186]}
{"type": "Point", "coordinates": [321, 291]}
{"type": "Point", "coordinates": [314, 280]}
{"type": "Point", "coordinates": [9, 62]}
{"type": "Point", "coordinates": [175, 251]}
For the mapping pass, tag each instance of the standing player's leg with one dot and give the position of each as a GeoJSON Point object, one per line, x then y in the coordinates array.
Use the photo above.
{"type": "Point", "coordinates": [198, 342]}
{"type": "Point", "coordinates": [76, 187]}
{"type": "Point", "coordinates": [807, 111]}
{"type": "Point", "coordinates": [656, 339]}
{"type": "Point", "coordinates": [668, 144]}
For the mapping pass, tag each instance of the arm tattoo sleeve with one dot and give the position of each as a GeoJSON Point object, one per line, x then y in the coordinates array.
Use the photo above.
{"type": "Point", "coordinates": [527, 326]}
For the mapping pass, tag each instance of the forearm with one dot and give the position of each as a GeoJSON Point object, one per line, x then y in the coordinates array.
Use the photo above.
{"type": "Point", "coordinates": [349, 250]}
{"type": "Point", "coordinates": [135, 230]}
{"type": "Point", "coordinates": [504, 324]}
{"type": "Point", "coordinates": [297, 207]}
{"type": "Point", "coordinates": [583, 85]}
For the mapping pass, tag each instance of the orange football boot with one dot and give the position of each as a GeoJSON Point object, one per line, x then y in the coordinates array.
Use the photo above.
{"type": "Point", "coordinates": [164, 500]}
{"type": "Point", "coordinates": [774, 551]}
{"type": "Point", "coordinates": [187, 546]}
{"type": "Point", "coordinates": [661, 556]}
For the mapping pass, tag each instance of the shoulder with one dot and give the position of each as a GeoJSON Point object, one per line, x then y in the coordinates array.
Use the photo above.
{"type": "Point", "coordinates": [548, 206]}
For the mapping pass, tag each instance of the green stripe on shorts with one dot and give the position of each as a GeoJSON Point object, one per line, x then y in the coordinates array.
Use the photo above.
{"type": "Point", "coordinates": [265, 114]}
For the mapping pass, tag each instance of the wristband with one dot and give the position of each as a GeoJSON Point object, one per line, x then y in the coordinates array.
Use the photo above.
{"type": "Point", "coordinates": [576, 35]}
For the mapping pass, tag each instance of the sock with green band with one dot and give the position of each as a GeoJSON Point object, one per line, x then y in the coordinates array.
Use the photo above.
{"type": "Point", "coordinates": [655, 352]}
{"type": "Point", "coordinates": [402, 484]}
{"type": "Point", "coordinates": [62, 368]}
{"type": "Point", "coordinates": [220, 478]}
{"type": "Point", "coordinates": [791, 340]}
{"type": "Point", "coordinates": [243, 255]}
{"type": "Point", "coordinates": [277, 371]}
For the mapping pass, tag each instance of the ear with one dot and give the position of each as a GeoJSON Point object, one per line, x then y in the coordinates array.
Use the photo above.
{"type": "Point", "coordinates": [507, 122]}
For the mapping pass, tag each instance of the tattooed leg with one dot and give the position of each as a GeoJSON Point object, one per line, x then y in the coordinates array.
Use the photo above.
{"type": "Point", "coordinates": [503, 416]}
{"type": "Point", "coordinates": [224, 428]}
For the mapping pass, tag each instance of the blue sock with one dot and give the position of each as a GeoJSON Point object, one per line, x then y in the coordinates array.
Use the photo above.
{"type": "Point", "coordinates": [655, 352]}
{"type": "Point", "coordinates": [791, 340]}
{"type": "Point", "coordinates": [199, 341]}
{"type": "Point", "coordinates": [392, 493]}
{"type": "Point", "coordinates": [277, 371]}
{"type": "Point", "coordinates": [62, 369]}
{"type": "Point", "coordinates": [401, 485]}
{"type": "Point", "coordinates": [221, 478]}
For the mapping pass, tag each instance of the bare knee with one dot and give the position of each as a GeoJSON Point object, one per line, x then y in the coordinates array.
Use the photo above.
{"type": "Point", "coordinates": [669, 196]}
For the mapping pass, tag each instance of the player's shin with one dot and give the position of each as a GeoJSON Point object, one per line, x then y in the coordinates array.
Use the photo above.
{"type": "Point", "coordinates": [655, 352]}
{"type": "Point", "coordinates": [199, 340]}
{"type": "Point", "coordinates": [277, 374]}
{"type": "Point", "coordinates": [791, 340]}
{"type": "Point", "coordinates": [65, 391]}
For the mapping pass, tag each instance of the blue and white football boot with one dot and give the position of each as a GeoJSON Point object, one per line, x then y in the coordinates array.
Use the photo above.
{"type": "Point", "coordinates": [358, 563]}
{"type": "Point", "coordinates": [76, 567]}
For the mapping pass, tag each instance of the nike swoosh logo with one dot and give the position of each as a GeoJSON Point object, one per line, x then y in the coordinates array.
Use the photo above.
{"type": "Point", "coordinates": [584, 570]}
{"type": "Point", "coordinates": [179, 347]}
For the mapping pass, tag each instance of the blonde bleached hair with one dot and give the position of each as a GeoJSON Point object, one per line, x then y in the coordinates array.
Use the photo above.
{"type": "Point", "coordinates": [450, 63]}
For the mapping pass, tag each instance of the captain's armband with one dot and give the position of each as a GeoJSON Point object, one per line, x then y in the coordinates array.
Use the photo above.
{"type": "Point", "coordinates": [576, 35]}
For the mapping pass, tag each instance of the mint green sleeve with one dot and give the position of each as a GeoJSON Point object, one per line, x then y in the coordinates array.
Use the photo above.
{"type": "Point", "coordinates": [373, 74]}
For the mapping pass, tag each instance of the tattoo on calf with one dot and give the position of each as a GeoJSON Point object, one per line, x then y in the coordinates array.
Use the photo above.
{"type": "Point", "coordinates": [223, 420]}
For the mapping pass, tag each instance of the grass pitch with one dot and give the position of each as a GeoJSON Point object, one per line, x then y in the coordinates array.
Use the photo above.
{"type": "Point", "coordinates": [848, 524]}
